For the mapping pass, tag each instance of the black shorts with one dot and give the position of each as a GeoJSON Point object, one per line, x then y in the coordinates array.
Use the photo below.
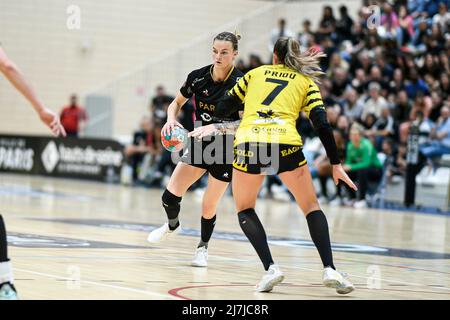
{"type": "Point", "coordinates": [215, 156]}
{"type": "Point", "coordinates": [267, 158]}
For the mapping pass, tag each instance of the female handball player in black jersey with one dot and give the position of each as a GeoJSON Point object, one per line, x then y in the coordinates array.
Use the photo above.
{"type": "Point", "coordinates": [209, 84]}
{"type": "Point", "coordinates": [267, 142]}
{"type": "Point", "coordinates": [50, 119]}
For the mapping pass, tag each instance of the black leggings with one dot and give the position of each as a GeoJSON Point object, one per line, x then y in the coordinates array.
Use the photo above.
{"type": "Point", "coordinates": [362, 177]}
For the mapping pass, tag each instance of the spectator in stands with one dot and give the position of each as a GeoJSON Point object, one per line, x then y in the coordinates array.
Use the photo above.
{"type": "Point", "coordinates": [376, 76]}
{"type": "Point", "coordinates": [333, 115]}
{"type": "Point", "coordinates": [430, 67]}
{"type": "Point", "coordinates": [423, 104]}
{"type": "Point", "coordinates": [254, 62]}
{"type": "Point", "coordinates": [443, 17]}
{"type": "Point", "coordinates": [385, 69]}
{"type": "Point", "coordinates": [146, 141]}
{"type": "Point", "coordinates": [405, 31]}
{"type": "Point", "coordinates": [399, 166]}
{"type": "Point", "coordinates": [73, 117]}
{"type": "Point", "coordinates": [305, 36]}
{"type": "Point", "coordinates": [397, 83]}
{"type": "Point", "coordinates": [375, 102]}
{"type": "Point", "coordinates": [343, 126]}
{"type": "Point", "coordinates": [444, 85]}
{"type": "Point", "coordinates": [240, 65]}
{"type": "Point", "coordinates": [339, 83]}
{"type": "Point", "coordinates": [402, 107]}
{"type": "Point", "coordinates": [437, 103]}
{"type": "Point", "coordinates": [387, 150]}
{"type": "Point", "coordinates": [280, 31]}
{"type": "Point", "coordinates": [327, 25]}
{"type": "Point", "coordinates": [352, 107]}
{"type": "Point", "coordinates": [382, 128]}
{"type": "Point", "coordinates": [420, 37]}
{"type": "Point", "coordinates": [389, 22]}
{"type": "Point", "coordinates": [362, 164]}
{"type": "Point", "coordinates": [363, 62]}
{"type": "Point", "coordinates": [436, 41]}
{"type": "Point", "coordinates": [159, 105]}
{"type": "Point", "coordinates": [420, 112]}
{"type": "Point", "coordinates": [344, 25]}
{"type": "Point", "coordinates": [337, 63]}
{"type": "Point", "coordinates": [359, 81]}
{"type": "Point", "coordinates": [440, 137]}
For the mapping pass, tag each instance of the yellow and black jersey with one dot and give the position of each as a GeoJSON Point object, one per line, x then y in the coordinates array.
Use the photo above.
{"type": "Point", "coordinates": [273, 97]}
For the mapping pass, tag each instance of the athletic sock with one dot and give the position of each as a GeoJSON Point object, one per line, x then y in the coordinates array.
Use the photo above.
{"type": "Point", "coordinates": [3, 241]}
{"type": "Point", "coordinates": [207, 228]}
{"type": "Point", "coordinates": [318, 229]}
{"type": "Point", "coordinates": [254, 230]}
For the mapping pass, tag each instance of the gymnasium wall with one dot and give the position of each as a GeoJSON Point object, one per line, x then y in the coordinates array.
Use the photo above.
{"type": "Point", "coordinates": [128, 47]}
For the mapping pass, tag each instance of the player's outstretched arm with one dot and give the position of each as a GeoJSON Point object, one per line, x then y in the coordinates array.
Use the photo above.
{"type": "Point", "coordinates": [18, 80]}
{"type": "Point", "coordinates": [318, 117]}
{"type": "Point", "coordinates": [221, 128]}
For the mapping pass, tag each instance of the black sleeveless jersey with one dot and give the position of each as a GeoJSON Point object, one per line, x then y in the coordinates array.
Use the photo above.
{"type": "Point", "coordinates": [208, 93]}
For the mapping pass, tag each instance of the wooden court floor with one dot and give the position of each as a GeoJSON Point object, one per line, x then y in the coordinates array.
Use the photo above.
{"type": "Point", "coordinates": [71, 239]}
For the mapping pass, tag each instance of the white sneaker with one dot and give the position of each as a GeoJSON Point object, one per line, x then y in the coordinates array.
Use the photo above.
{"type": "Point", "coordinates": [336, 202]}
{"type": "Point", "coordinates": [162, 233]}
{"type": "Point", "coordinates": [348, 202]}
{"type": "Point", "coordinates": [335, 279]}
{"type": "Point", "coordinates": [201, 257]}
{"type": "Point", "coordinates": [281, 196]}
{"type": "Point", "coordinates": [272, 277]}
{"type": "Point", "coordinates": [361, 204]}
{"type": "Point", "coordinates": [322, 200]}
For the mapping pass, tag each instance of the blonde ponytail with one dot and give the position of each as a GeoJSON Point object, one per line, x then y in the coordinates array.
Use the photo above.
{"type": "Point", "coordinates": [307, 63]}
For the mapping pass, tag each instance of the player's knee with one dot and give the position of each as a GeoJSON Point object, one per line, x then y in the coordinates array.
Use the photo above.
{"type": "Point", "coordinates": [209, 210]}
{"type": "Point", "coordinates": [169, 200]}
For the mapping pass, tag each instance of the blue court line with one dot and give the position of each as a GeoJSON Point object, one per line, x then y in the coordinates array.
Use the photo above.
{"type": "Point", "coordinates": [279, 241]}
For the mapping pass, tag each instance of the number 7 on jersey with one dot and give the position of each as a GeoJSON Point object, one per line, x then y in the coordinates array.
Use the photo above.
{"type": "Point", "coordinates": [281, 84]}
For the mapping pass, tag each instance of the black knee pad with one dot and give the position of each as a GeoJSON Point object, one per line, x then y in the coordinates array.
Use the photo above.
{"type": "Point", "coordinates": [244, 214]}
{"type": "Point", "coordinates": [169, 200]}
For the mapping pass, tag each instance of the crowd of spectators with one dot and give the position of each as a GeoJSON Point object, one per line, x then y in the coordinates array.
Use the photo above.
{"type": "Point", "coordinates": [384, 74]}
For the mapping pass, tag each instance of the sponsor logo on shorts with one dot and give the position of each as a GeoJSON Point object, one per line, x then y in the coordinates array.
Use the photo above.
{"type": "Point", "coordinates": [289, 151]}
{"type": "Point", "coordinates": [244, 153]}
{"type": "Point", "coordinates": [240, 166]}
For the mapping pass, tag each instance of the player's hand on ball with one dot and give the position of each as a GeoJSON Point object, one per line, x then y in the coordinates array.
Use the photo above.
{"type": "Point", "coordinates": [169, 126]}
{"type": "Point", "coordinates": [203, 131]}
{"type": "Point", "coordinates": [340, 174]}
{"type": "Point", "coordinates": [51, 120]}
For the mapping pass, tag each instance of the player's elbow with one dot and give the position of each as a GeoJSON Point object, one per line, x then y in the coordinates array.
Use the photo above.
{"type": "Point", "coordinates": [7, 66]}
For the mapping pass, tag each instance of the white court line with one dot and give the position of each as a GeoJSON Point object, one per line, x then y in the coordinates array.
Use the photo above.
{"type": "Point", "coordinates": [148, 293]}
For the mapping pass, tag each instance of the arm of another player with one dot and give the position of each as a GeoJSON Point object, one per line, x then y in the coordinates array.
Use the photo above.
{"type": "Point", "coordinates": [231, 102]}
{"type": "Point", "coordinates": [315, 110]}
{"type": "Point", "coordinates": [17, 79]}
{"type": "Point", "coordinates": [227, 127]}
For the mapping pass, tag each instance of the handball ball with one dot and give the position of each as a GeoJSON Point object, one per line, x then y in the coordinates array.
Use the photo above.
{"type": "Point", "coordinates": [175, 140]}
